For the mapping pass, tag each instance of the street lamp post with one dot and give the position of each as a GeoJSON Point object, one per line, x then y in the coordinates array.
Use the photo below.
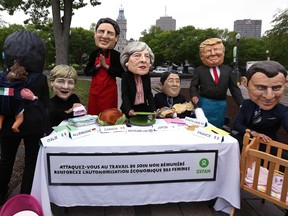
{"type": "Point", "coordinates": [267, 54]}
{"type": "Point", "coordinates": [236, 65]}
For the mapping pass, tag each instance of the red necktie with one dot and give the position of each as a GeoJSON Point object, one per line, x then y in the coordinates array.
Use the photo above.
{"type": "Point", "coordinates": [215, 75]}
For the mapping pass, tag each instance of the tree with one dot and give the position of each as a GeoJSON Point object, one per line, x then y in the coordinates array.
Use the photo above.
{"type": "Point", "coordinates": [277, 38]}
{"type": "Point", "coordinates": [2, 22]}
{"type": "Point", "coordinates": [251, 49]}
{"type": "Point", "coordinates": [62, 12]}
{"type": "Point", "coordinates": [182, 46]}
{"type": "Point", "coordinates": [82, 44]}
{"type": "Point", "coordinates": [280, 21]}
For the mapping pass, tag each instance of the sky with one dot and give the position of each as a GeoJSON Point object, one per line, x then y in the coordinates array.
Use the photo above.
{"type": "Point", "coordinates": [141, 15]}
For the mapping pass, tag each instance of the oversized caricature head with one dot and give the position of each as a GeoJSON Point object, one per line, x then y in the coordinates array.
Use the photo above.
{"type": "Point", "coordinates": [106, 33]}
{"type": "Point", "coordinates": [212, 52]}
{"type": "Point", "coordinates": [170, 84]}
{"type": "Point", "coordinates": [137, 57]}
{"type": "Point", "coordinates": [266, 81]}
{"type": "Point", "coordinates": [63, 80]}
{"type": "Point", "coordinates": [27, 49]}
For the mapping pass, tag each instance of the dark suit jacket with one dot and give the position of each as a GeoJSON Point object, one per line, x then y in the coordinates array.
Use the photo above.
{"type": "Point", "coordinates": [58, 106]}
{"type": "Point", "coordinates": [270, 123]}
{"type": "Point", "coordinates": [161, 101]}
{"type": "Point", "coordinates": [128, 87]}
{"type": "Point", "coordinates": [115, 68]}
{"type": "Point", "coordinates": [202, 84]}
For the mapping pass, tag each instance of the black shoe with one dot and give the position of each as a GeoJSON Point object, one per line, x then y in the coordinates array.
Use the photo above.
{"type": "Point", "coordinates": [3, 198]}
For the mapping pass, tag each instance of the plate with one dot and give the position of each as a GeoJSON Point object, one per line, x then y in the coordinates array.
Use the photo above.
{"type": "Point", "coordinates": [141, 120]}
{"type": "Point", "coordinates": [145, 113]}
{"type": "Point", "coordinates": [106, 124]}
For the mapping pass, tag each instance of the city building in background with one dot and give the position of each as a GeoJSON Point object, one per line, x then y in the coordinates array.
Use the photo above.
{"type": "Point", "coordinates": [248, 28]}
{"type": "Point", "coordinates": [166, 23]}
{"type": "Point", "coordinates": [122, 22]}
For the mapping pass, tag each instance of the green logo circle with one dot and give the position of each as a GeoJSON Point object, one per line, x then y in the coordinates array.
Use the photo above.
{"type": "Point", "coordinates": [204, 162]}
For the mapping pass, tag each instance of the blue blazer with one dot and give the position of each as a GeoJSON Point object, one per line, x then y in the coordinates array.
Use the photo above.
{"type": "Point", "coordinates": [271, 120]}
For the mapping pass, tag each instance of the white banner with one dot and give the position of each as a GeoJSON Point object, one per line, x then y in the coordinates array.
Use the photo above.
{"type": "Point", "coordinates": [131, 168]}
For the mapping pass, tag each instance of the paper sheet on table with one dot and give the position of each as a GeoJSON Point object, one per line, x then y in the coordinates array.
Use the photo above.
{"type": "Point", "coordinates": [214, 129]}
{"type": "Point", "coordinates": [176, 121]}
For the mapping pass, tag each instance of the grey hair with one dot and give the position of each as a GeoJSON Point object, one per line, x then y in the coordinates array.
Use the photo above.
{"type": "Point", "coordinates": [136, 46]}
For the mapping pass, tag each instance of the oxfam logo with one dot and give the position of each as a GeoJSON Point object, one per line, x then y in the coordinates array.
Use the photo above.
{"type": "Point", "coordinates": [204, 162]}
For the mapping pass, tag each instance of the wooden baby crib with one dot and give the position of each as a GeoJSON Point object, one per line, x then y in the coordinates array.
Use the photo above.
{"type": "Point", "coordinates": [264, 161]}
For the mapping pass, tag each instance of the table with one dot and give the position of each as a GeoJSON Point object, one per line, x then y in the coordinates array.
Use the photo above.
{"type": "Point", "coordinates": [226, 187]}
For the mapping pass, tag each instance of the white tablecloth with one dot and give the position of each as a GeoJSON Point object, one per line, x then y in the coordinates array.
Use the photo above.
{"type": "Point", "coordinates": [226, 187]}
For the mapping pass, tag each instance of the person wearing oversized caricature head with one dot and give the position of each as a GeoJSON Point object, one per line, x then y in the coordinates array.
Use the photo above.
{"type": "Point", "coordinates": [211, 81]}
{"type": "Point", "coordinates": [104, 66]}
{"type": "Point", "coordinates": [137, 59]}
{"type": "Point", "coordinates": [65, 103]}
{"type": "Point", "coordinates": [170, 84]}
{"type": "Point", "coordinates": [28, 50]}
{"type": "Point", "coordinates": [263, 113]}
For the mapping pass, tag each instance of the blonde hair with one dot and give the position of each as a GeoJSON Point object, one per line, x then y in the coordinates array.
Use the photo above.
{"type": "Point", "coordinates": [63, 71]}
{"type": "Point", "coordinates": [210, 42]}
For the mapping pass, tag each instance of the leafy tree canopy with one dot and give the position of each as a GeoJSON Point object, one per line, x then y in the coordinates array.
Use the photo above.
{"type": "Point", "coordinates": [38, 10]}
